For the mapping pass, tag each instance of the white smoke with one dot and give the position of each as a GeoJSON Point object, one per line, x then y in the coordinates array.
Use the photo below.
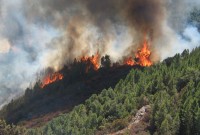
{"type": "Point", "coordinates": [178, 34]}
{"type": "Point", "coordinates": [4, 46]}
{"type": "Point", "coordinates": [22, 45]}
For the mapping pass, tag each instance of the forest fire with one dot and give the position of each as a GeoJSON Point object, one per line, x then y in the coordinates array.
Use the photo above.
{"type": "Point", "coordinates": [129, 61]}
{"type": "Point", "coordinates": [94, 60]}
{"type": "Point", "coordinates": [50, 78]}
{"type": "Point", "coordinates": [142, 57]}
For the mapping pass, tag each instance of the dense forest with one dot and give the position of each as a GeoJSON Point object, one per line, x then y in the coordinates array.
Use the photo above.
{"type": "Point", "coordinates": [171, 88]}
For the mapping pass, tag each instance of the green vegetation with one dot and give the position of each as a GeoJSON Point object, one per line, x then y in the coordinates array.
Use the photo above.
{"type": "Point", "coordinates": [11, 129]}
{"type": "Point", "coordinates": [172, 88]}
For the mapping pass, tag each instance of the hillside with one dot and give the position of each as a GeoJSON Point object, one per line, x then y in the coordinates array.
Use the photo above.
{"type": "Point", "coordinates": [40, 105]}
{"type": "Point", "coordinates": [108, 67]}
{"type": "Point", "coordinates": [170, 88]}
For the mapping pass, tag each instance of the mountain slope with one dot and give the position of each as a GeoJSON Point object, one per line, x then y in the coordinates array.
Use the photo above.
{"type": "Point", "coordinates": [171, 88]}
{"type": "Point", "coordinates": [40, 105]}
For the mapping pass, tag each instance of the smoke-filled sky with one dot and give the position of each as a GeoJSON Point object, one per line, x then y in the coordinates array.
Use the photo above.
{"type": "Point", "coordinates": [36, 34]}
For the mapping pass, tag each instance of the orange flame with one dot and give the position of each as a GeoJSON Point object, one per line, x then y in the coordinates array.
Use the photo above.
{"type": "Point", "coordinates": [94, 60]}
{"type": "Point", "coordinates": [143, 55]}
{"type": "Point", "coordinates": [50, 78]}
{"type": "Point", "coordinates": [129, 61]}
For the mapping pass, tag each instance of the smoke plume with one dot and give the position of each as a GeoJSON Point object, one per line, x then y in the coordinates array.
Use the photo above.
{"type": "Point", "coordinates": [38, 34]}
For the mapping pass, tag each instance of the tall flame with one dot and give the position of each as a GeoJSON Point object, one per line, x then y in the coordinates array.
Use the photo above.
{"type": "Point", "coordinates": [50, 78]}
{"type": "Point", "coordinates": [94, 60]}
{"type": "Point", "coordinates": [142, 56]}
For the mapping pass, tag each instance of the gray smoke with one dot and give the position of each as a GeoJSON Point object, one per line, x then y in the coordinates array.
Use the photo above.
{"type": "Point", "coordinates": [22, 45]}
{"type": "Point", "coordinates": [38, 34]}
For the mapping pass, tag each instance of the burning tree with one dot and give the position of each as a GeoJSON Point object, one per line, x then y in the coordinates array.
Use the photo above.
{"type": "Point", "coordinates": [50, 78]}
{"type": "Point", "coordinates": [142, 56]}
